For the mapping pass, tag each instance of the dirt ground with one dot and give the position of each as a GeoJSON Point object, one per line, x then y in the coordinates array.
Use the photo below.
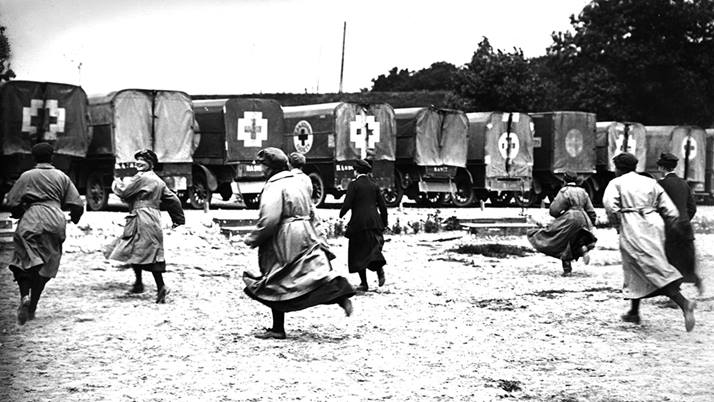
{"type": "Point", "coordinates": [446, 326]}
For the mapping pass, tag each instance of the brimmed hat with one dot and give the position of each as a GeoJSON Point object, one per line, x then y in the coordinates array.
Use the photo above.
{"type": "Point", "coordinates": [42, 152]}
{"type": "Point", "coordinates": [296, 159]}
{"type": "Point", "coordinates": [625, 162]}
{"type": "Point", "coordinates": [273, 158]}
{"type": "Point", "coordinates": [147, 155]}
{"type": "Point", "coordinates": [362, 166]}
{"type": "Point", "coordinates": [667, 160]}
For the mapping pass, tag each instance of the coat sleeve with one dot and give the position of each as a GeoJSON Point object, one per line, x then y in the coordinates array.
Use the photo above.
{"type": "Point", "coordinates": [14, 197]}
{"type": "Point", "coordinates": [271, 210]}
{"type": "Point", "coordinates": [560, 204]}
{"type": "Point", "coordinates": [691, 205]}
{"type": "Point", "coordinates": [349, 198]}
{"type": "Point", "coordinates": [382, 206]}
{"type": "Point", "coordinates": [666, 208]}
{"type": "Point", "coordinates": [126, 189]}
{"type": "Point", "coordinates": [172, 204]}
{"type": "Point", "coordinates": [589, 210]}
{"type": "Point", "coordinates": [72, 201]}
{"type": "Point", "coordinates": [611, 201]}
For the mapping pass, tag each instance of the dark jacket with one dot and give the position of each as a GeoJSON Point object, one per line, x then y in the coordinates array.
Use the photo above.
{"type": "Point", "coordinates": [681, 194]}
{"type": "Point", "coordinates": [364, 199]}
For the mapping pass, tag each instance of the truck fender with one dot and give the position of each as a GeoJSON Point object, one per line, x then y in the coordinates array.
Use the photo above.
{"type": "Point", "coordinates": [211, 180]}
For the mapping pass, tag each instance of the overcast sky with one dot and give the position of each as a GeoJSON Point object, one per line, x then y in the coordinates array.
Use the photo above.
{"type": "Point", "coordinates": [253, 46]}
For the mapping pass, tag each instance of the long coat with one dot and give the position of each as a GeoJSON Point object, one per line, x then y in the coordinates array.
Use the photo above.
{"type": "Point", "coordinates": [367, 222]}
{"type": "Point", "coordinates": [293, 259]}
{"type": "Point", "coordinates": [639, 208]}
{"type": "Point", "coordinates": [142, 242]}
{"type": "Point", "coordinates": [572, 228]}
{"type": "Point", "coordinates": [679, 244]}
{"type": "Point", "coordinates": [42, 192]}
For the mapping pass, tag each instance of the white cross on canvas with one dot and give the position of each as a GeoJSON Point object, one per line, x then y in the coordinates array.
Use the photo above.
{"type": "Point", "coordinates": [58, 113]}
{"type": "Point", "coordinates": [28, 113]}
{"type": "Point", "coordinates": [364, 133]}
{"type": "Point", "coordinates": [252, 129]}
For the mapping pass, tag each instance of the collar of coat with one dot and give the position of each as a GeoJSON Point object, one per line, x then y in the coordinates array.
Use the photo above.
{"type": "Point", "coordinates": [44, 165]}
{"type": "Point", "coordinates": [670, 174]}
{"type": "Point", "coordinates": [280, 175]}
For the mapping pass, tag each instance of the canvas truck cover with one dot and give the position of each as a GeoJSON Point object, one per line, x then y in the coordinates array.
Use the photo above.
{"type": "Point", "coordinates": [363, 127]}
{"type": "Point", "coordinates": [688, 143]}
{"type": "Point", "coordinates": [145, 119]}
{"type": "Point", "coordinates": [342, 131]}
{"type": "Point", "coordinates": [658, 141]}
{"type": "Point", "coordinates": [506, 153]}
{"type": "Point", "coordinates": [613, 136]}
{"type": "Point", "coordinates": [564, 140]}
{"type": "Point", "coordinates": [32, 112]}
{"type": "Point", "coordinates": [432, 136]}
{"type": "Point", "coordinates": [242, 126]}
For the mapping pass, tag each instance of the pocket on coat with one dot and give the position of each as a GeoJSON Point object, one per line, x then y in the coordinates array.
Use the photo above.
{"type": "Point", "coordinates": [130, 227]}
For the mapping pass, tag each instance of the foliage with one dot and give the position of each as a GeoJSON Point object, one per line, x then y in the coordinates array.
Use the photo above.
{"type": "Point", "coordinates": [432, 224]}
{"type": "Point", "coordinates": [439, 76]}
{"type": "Point", "coordinates": [650, 61]}
{"type": "Point", "coordinates": [5, 72]}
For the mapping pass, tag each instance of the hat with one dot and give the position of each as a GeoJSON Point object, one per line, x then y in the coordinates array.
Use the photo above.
{"type": "Point", "coordinates": [42, 152]}
{"type": "Point", "coordinates": [569, 176]}
{"type": "Point", "coordinates": [149, 156]}
{"type": "Point", "coordinates": [362, 166]}
{"type": "Point", "coordinates": [296, 159]}
{"type": "Point", "coordinates": [667, 160]}
{"type": "Point", "coordinates": [273, 158]}
{"type": "Point", "coordinates": [625, 162]}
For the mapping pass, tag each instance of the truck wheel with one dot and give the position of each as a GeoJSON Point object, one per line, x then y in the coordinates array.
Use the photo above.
{"type": "Point", "coordinates": [198, 194]}
{"type": "Point", "coordinates": [318, 189]}
{"type": "Point", "coordinates": [96, 194]}
{"type": "Point", "coordinates": [525, 198]}
{"type": "Point", "coordinates": [393, 196]}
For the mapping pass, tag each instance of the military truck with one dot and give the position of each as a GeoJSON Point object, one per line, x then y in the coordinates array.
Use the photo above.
{"type": "Point", "coordinates": [432, 144]}
{"type": "Point", "coordinates": [611, 139]}
{"type": "Point", "coordinates": [333, 135]}
{"type": "Point", "coordinates": [32, 112]}
{"type": "Point", "coordinates": [232, 131]}
{"type": "Point", "coordinates": [129, 120]}
{"type": "Point", "coordinates": [563, 141]}
{"type": "Point", "coordinates": [499, 163]}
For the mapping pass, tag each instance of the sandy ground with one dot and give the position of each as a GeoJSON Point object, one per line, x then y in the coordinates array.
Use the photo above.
{"type": "Point", "coordinates": [446, 326]}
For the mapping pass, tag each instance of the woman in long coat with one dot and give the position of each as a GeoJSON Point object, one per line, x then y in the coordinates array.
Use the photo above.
{"type": "Point", "coordinates": [569, 236]}
{"type": "Point", "coordinates": [295, 269]}
{"type": "Point", "coordinates": [640, 209]}
{"type": "Point", "coordinates": [366, 225]}
{"type": "Point", "coordinates": [37, 199]}
{"type": "Point", "coordinates": [142, 243]}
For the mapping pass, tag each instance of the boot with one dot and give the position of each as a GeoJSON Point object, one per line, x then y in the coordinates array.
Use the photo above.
{"type": "Point", "coordinates": [380, 277]}
{"type": "Point", "coordinates": [567, 268]}
{"type": "Point", "coordinates": [23, 312]}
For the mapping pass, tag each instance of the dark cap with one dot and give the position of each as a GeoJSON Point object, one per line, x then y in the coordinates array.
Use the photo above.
{"type": "Point", "coordinates": [273, 158]}
{"type": "Point", "coordinates": [42, 152]}
{"type": "Point", "coordinates": [569, 176]}
{"type": "Point", "coordinates": [625, 162]}
{"type": "Point", "coordinates": [362, 166]}
{"type": "Point", "coordinates": [296, 159]}
{"type": "Point", "coordinates": [667, 160]}
{"type": "Point", "coordinates": [149, 156]}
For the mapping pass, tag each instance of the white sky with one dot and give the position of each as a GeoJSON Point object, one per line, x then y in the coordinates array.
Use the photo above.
{"type": "Point", "coordinates": [253, 46]}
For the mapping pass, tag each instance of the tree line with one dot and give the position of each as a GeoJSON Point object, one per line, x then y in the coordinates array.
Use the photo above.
{"type": "Point", "coordinates": [649, 61]}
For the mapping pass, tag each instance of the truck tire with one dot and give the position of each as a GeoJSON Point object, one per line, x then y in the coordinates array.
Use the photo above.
{"type": "Point", "coordinates": [393, 196]}
{"type": "Point", "coordinates": [318, 189]}
{"type": "Point", "coordinates": [199, 194]}
{"type": "Point", "coordinates": [96, 194]}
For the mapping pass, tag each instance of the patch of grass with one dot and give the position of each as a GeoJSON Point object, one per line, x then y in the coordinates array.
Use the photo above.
{"type": "Point", "coordinates": [493, 250]}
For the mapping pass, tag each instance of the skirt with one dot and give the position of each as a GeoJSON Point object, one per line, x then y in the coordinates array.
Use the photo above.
{"type": "Point", "coordinates": [331, 292]}
{"type": "Point", "coordinates": [365, 251]}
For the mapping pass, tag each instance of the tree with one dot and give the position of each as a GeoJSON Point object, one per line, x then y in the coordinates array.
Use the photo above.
{"type": "Point", "coordinates": [497, 80]}
{"type": "Point", "coordinates": [439, 76]}
{"type": "Point", "coordinates": [643, 60]}
{"type": "Point", "coordinates": [6, 73]}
